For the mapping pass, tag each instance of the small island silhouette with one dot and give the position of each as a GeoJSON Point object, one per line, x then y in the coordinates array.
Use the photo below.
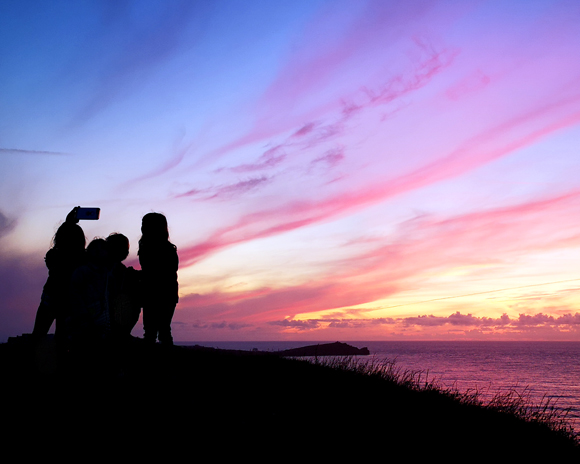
{"type": "Point", "coordinates": [324, 349]}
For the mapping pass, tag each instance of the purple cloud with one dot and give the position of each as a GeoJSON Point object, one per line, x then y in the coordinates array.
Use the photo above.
{"type": "Point", "coordinates": [6, 224]}
{"type": "Point", "coordinates": [226, 191]}
{"type": "Point", "coordinates": [457, 319]}
{"type": "Point", "coordinates": [331, 158]}
{"type": "Point", "coordinates": [270, 159]}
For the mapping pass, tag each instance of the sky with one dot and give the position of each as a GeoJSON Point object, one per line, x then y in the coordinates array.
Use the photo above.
{"type": "Point", "coordinates": [330, 170]}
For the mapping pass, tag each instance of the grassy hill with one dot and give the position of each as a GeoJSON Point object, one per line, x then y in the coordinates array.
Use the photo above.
{"type": "Point", "coordinates": [177, 402]}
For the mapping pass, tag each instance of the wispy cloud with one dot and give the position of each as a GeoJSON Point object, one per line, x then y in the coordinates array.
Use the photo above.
{"type": "Point", "coordinates": [270, 159]}
{"type": "Point", "coordinates": [427, 244]}
{"type": "Point", "coordinates": [225, 192]}
{"type": "Point", "coordinates": [140, 45]}
{"type": "Point", "coordinates": [331, 158]}
{"type": "Point", "coordinates": [509, 132]}
{"type": "Point", "coordinates": [6, 224]}
{"type": "Point", "coordinates": [288, 102]}
{"type": "Point", "coordinates": [21, 151]}
{"type": "Point", "coordinates": [494, 143]}
{"type": "Point", "coordinates": [176, 156]}
{"type": "Point", "coordinates": [220, 325]}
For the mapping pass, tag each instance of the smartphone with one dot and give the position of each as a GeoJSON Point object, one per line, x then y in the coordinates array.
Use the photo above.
{"type": "Point", "coordinates": [88, 213]}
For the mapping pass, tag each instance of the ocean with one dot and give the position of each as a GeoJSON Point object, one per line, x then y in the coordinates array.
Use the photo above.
{"type": "Point", "coordinates": [540, 369]}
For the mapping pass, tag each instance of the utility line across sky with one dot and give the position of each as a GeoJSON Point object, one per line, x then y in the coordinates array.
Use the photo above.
{"type": "Point", "coordinates": [478, 293]}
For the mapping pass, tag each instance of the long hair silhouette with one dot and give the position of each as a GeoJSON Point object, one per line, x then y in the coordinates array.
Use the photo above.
{"type": "Point", "coordinates": [159, 263]}
{"type": "Point", "coordinates": [154, 228]}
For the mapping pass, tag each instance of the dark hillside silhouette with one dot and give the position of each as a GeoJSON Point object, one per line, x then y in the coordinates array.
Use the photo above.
{"type": "Point", "coordinates": [181, 399]}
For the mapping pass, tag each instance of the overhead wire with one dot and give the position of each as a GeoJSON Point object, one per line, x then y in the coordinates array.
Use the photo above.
{"type": "Point", "coordinates": [478, 293]}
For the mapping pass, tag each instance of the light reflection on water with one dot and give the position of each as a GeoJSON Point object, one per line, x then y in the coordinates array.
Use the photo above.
{"type": "Point", "coordinates": [542, 368]}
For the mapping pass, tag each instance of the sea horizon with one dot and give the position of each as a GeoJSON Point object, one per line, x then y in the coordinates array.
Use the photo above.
{"type": "Point", "coordinates": [358, 343]}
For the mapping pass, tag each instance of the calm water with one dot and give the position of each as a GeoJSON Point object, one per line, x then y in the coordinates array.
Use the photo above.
{"type": "Point", "coordinates": [544, 368]}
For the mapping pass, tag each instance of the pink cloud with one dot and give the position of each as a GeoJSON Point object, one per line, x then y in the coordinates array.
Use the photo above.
{"type": "Point", "coordinates": [564, 327]}
{"type": "Point", "coordinates": [305, 129]}
{"type": "Point", "coordinates": [491, 144]}
{"type": "Point", "coordinates": [474, 82]}
{"type": "Point", "coordinates": [291, 99]}
{"type": "Point", "coordinates": [483, 237]}
{"type": "Point", "coordinates": [269, 304]}
{"type": "Point", "coordinates": [427, 243]}
{"type": "Point", "coordinates": [454, 326]}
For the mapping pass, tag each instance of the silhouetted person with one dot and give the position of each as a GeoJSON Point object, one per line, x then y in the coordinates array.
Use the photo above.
{"type": "Point", "coordinates": [159, 263]}
{"type": "Point", "coordinates": [66, 255]}
{"type": "Point", "coordinates": [123, 288]}
{"type": "Point", "coordinates": [89, 320]}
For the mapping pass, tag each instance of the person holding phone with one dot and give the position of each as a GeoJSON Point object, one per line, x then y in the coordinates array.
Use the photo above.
{"type": "Point", "coordinates": [159, 263]}
{"type": "Point", "coordinates": [66, 254]}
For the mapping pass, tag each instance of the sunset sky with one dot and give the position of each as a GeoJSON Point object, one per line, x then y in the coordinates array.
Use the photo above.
{"type": "Point", "coordinates": [330, 170]}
